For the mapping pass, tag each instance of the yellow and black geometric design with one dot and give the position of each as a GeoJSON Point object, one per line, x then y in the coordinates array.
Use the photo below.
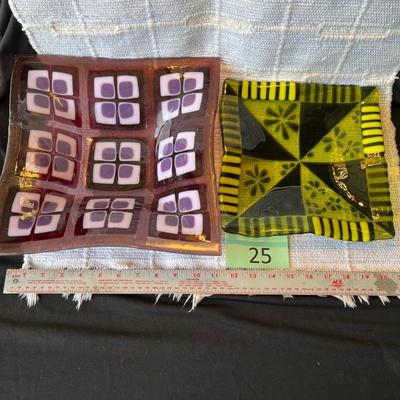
{"type": "Point", "coordinates": [263, 90]}
{"type": "Point", "coordinates": [319, 93]}
{"type": "Point", "coordinates": [362, 231]}
{"type": "Point", "coordinates": [282, 225]}
{"type": "Point", "coordinates": [232, 158]}
{"type": "Point", "coordinates": [303, 158]}
{"type": "Point", "coordinates": [371, 129]}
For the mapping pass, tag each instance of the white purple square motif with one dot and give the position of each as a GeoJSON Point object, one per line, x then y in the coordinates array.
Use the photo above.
{"type": "Point", "coordinates": [180, 213]}
{"type": "Point", "coordinates": [33, 213]}
{"type": "Point", "coordinates": [116, 94]}
{"type": "Point", "coordinates": [184, 101]}
{"type": "Point", "coordinates": [108, 213]}
{"type": "Point", "coordinates": [51, 155]}
{"type": "Point", "coordinates": [51, 99]}
{"type": "Point", "coordinates": [116, 162]}
{"type": "Point", "coordinates": [175, 157]}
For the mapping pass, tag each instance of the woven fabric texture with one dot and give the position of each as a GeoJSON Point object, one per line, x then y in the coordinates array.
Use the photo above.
{"type": "Point", "coordinates": [347, 42]}
{"type": "Point", "coordinates": [353, 40]}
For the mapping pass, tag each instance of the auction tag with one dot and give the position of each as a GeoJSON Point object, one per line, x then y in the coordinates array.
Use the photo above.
{"type": "Point", "coordinates": [242, 252]}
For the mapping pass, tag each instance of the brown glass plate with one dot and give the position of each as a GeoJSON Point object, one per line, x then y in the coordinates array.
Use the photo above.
{"type": "Point", "coordinates": [111, 153]}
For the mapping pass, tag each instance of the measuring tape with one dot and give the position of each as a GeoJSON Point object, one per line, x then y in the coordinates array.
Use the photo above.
{"type": "Point", "coordinates": [202, 282]}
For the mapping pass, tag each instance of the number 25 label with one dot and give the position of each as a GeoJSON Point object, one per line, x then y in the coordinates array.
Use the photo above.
{"type": "Point", "coordinates": [260, 255]}
{"type": "Point", "coordinates": [243, 252]}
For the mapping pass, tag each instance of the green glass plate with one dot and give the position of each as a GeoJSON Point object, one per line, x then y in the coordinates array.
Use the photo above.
{"type": "Point", "coordinates": [303, 158]}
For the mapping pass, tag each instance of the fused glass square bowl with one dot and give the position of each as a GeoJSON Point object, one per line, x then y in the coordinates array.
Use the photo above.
{"type": "Point", "coordinates": [111, 153]}
{"type": "Point", "coordinates": [303, 158]}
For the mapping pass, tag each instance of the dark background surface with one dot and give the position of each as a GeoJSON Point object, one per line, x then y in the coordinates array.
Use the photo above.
{"type": "Point", "coordinates": [120, 347]}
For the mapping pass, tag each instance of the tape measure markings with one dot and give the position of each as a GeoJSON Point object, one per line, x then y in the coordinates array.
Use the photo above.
{"type": "Point", "coordinates": [202, 282]}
